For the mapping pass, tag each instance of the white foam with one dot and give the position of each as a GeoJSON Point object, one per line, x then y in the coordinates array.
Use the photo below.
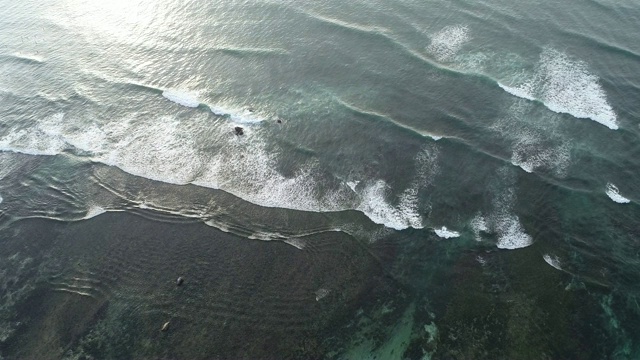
{"type": "Point", "coordinates": [445, 233]}
{"type": "Point", "coordinates": [448, 41]}
{"type": "Point", "coordinates": [375, 206]}
{"type": "Point", "coordinates": [511, 235]}
{"type": "Point", "coordinates": [352, 185]}
{"type": "Point", "coordinates": [614, 194]}
{"type": "Point", "coordinates": [159, 151]}
{"type": "Point", "coordinates": [405, 214]}
{"type": "Point", "coordinates": [181, 97]}
{"type": "Point", "coordinates": [435, 137]}
{"type": "Point", "coordinates": [296, 242]}
{"type": "Point", "coordinates": [552, 260]}
{"type": "Point", "coordinates": [531, 153]}
{"type": "Point", "coordinates": [478, 225]}
{"type": "Point", "coordinates": [522, 91]}
{"type": "Point", "coordinates": [94, 211]}
{"type": "Point", "coordinates": [88, 138]}
{"type": "Point", "coordinates": [502, 222]}
{"type": "Point", "coordinates": [566, 85]}
{"type": "Point", "coordinates": [36, 141]}
{"type": "Point", "coordinates": [505, 224]}
{"type": "Point", "coordinates": [165, 149]}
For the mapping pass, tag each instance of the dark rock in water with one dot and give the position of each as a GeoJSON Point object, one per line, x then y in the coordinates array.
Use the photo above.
{"type": "Point", "coordinates": [250, 110]}
{"type": "Point", "coordinates": [239, 130]}
{"type": "Point", "coordinates": [165, 327]}
{"type": "Point", "coordinates": [179, 281]}
{"type": "Point", "coordinates": [279, 121]}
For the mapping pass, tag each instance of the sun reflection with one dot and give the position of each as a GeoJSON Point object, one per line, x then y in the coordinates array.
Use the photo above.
{"type": "Point", "coordinates": [121, 18]}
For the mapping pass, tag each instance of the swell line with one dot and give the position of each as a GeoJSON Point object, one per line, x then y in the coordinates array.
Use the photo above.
{"type": "Point", "coordinates": [552, 105]}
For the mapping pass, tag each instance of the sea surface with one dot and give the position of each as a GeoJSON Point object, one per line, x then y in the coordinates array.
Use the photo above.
{"type": "Point", "coordinates": [415, 179]}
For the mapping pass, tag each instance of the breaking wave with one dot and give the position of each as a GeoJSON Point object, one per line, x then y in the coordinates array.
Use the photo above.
{"type": "Point", "coordinates": [614, 194]}
{"type": "Point", "coordinates": [566, 85]}
{"type": "Point", "coordinates": [169, 150]}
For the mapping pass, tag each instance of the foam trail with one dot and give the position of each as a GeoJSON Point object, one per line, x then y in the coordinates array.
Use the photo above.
{"type": "Point", "coordinates": [565, 85]}
{"type": "Point", "coordinates": [614, 194]}
{"type": "Point", "coordinates": [448, 41]}
{"type": "Point", "coordinates": [181, 97]}
{"type": "Point", "coordinates": [445, 233]}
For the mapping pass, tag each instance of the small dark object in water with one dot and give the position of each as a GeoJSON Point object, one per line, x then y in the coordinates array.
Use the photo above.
{"type": "Point", "coordinates": [279, 121]}
{"type": "Point", "coordinates": [239, 130]}
{"type": "Point", "coordinates": [180, 280]}
{"type": "Point", "coordinates": [250, 110]}
{"type": "Point", "coordinates": [165, 327]}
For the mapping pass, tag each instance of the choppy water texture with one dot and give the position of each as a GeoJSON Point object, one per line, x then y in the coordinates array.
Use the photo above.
{"type": "Point", "coordinates": [414, 179]}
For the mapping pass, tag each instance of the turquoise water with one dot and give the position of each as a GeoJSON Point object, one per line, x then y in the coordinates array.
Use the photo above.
{"type": "Point", "coordinates": [414, 180]}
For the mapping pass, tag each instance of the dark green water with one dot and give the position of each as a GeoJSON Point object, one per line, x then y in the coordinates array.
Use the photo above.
{"type": "Point", "coordinates": [418, 180]}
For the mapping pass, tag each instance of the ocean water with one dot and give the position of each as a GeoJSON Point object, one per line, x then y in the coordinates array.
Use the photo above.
{"type": "Point", "coordinates": [415, 179]}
